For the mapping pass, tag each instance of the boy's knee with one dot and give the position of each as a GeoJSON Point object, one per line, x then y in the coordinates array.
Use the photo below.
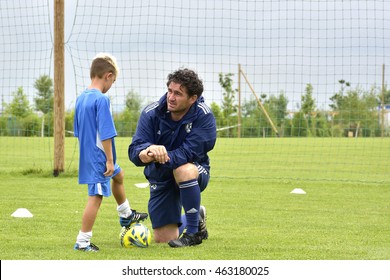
{"type": "Point", "coordinates": [118, 178]}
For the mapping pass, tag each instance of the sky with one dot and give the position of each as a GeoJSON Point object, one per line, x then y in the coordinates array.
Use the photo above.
{"type": "Point", "coordinates": [281, 45]}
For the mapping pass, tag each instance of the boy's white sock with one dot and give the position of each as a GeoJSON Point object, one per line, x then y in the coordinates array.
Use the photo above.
{"type": "Point", "coordinates": [124, 209]}
{"type": "Point", "coordinates": [84, 239]}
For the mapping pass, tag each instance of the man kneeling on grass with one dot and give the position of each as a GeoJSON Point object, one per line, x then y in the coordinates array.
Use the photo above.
{"type": "Point", "coordinates": [172, 140]}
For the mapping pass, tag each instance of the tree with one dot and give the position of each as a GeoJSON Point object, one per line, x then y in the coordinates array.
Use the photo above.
{"type": "Point", "coordinates": [249, 107]}
{"type": "Point", "coordinates": [308, 103]}
{"type": "Point", "coordinates": [45, 96]}
{"type": "Point", "coordinates": [337, 98]}
{"type": "Point", "coordinates": [69, 122]}
{"type": "Point", "coordinates": [308, 108]}
{"type": "Point", "coordinates": [337, 106]}
{"type": "Point", "coordinates": [19, 106]}
{"type": "Point", "coordinates": [229, 109]}
{"type": "Point", "coordinates": [278, 105]}
{"type": "Point", "coordinates": [126, 121]}
{"type": "Point", "coordinates": [321, 124]}
{"type": "Point", "coordinates": [356, 111]}
{"type": "Point", "coordinates": [217, 113]}
{"type": "Point", "coordinates": [386, 94]}
{"type": "Point", "coordinates": [255, 120]}
{"type": "Point", "coordinates": [370, 126]}
{"type": "Point", "coordinates": [133, 102]}
{"type": "Point", "coordinates": [299, 125]}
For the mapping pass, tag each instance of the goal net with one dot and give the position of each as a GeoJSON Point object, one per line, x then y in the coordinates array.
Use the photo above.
{"type": "Point", "coordinates": [298, 88]}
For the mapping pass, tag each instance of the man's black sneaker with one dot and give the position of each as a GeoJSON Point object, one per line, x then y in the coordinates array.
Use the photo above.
{"type": "Point", "coordinates": [202, 223]}
{"type": "Point", "coordinates": [186, 239]}
{"type": "Point", "coordinates": [133, 218]}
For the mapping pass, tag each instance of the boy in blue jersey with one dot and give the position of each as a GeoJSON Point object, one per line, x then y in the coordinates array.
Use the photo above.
{"type": "Point", "coordinates": [172, 140]}
{"type": "Point", "coordinates": [95, 129]}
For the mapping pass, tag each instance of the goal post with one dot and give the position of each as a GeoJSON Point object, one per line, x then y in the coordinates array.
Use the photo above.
{"type": "Point", "coordinates": [259, 102]}
{"type": "Point", "coordinates": [59, 88]}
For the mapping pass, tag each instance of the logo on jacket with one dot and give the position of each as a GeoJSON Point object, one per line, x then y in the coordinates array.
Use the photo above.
{"type": "Point", "coordinates": [188, 127]}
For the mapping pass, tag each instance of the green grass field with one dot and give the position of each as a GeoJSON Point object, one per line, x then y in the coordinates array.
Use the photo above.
{"type": "Point", "coordinates": [250, 216]}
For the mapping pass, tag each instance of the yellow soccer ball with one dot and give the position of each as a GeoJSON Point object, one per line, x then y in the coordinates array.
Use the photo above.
{"type": "Point", "coordinates": [137, 235]}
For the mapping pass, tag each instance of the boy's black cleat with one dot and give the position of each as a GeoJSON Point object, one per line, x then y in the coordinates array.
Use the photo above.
{"type": "Point", "coordinates": [134, 217]}
{"type": "Point", "coordinates": [90, 248]}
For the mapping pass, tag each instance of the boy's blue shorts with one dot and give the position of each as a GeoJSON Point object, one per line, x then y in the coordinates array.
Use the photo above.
{"type": "Point", "coordinates": [103, 188]}
{"type": "Point", "coordinates": [164, 204]}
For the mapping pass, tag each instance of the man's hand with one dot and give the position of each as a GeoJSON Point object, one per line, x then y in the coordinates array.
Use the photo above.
{"type": "Point", "coordinates": [156, 153]}
{"type": "Point", "coordinates": [145, 157]}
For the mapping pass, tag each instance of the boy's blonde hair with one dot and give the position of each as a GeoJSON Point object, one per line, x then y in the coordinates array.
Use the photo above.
{"type": "Point", "coordinates": [102, 64]}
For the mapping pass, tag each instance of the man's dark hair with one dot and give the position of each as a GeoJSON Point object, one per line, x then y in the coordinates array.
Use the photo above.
{"type": "Point", "coordinates": [189, 79]}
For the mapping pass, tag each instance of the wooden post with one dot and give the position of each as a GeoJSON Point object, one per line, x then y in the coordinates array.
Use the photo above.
{"type": "Point", "coordinates": [239, 103]}
{"type": "Point", "coordinates": [261, 104]}
{"type": "Point", "coordinates": [383, 103]}
{"type": "Point", "coordinates": [59, 86]}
